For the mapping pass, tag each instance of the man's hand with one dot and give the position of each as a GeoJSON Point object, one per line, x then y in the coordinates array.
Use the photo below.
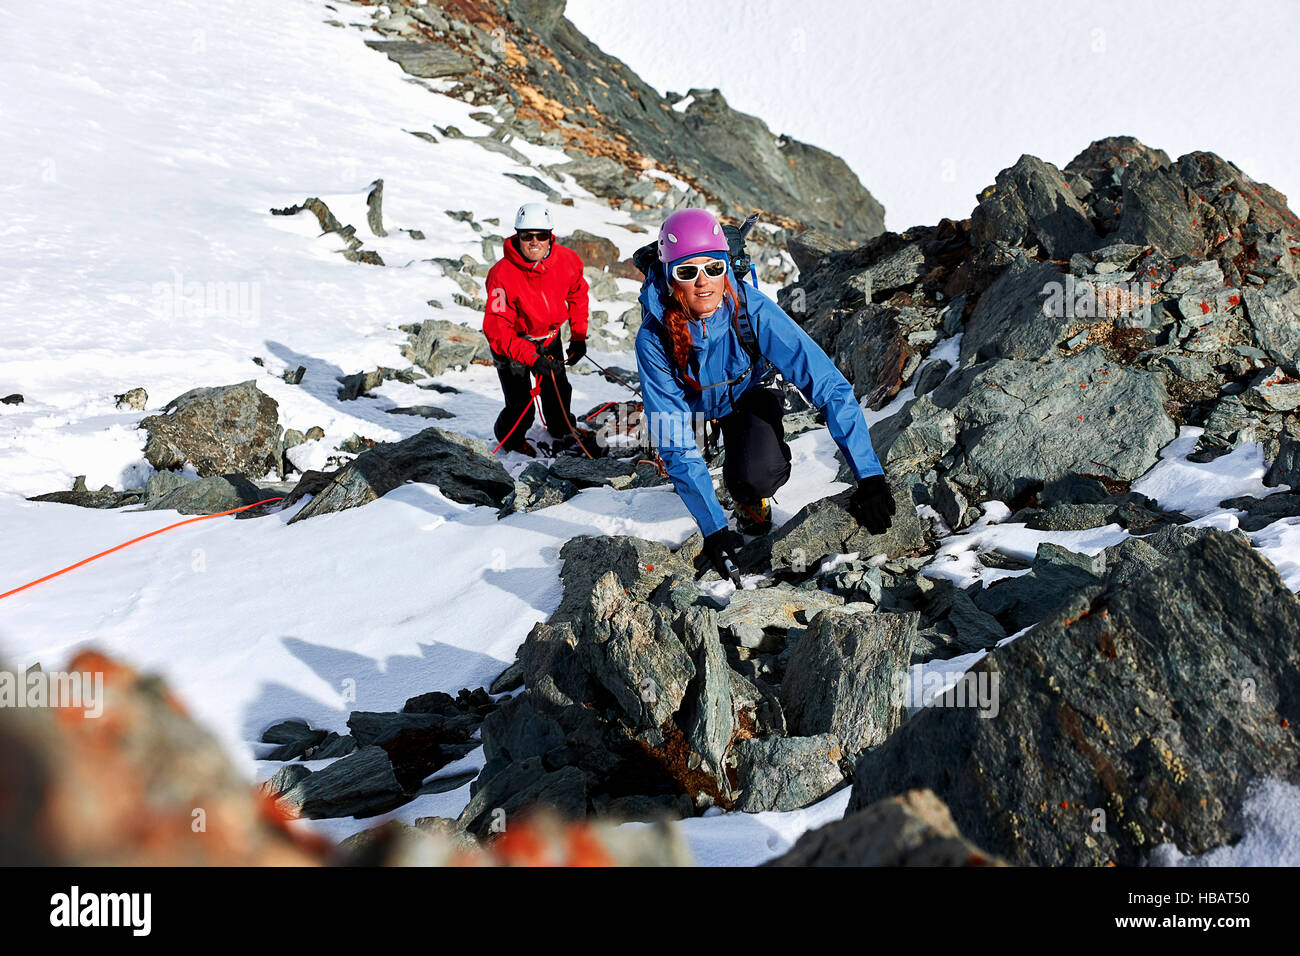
{"type": "Point", "coordinates": [872, 504]}
{"type": "Point", "coordinates": [545, 363]}
{"type": "Point", "coordinates": [722, 546]}
{"type": "Point", "coordinates": [577, 349]}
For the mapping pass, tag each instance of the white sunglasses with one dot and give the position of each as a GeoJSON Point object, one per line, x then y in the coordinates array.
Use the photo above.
{"type": "Point", "coordinates": [686, 271]}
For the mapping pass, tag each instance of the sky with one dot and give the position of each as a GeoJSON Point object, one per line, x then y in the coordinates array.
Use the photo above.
{"type": "Point", "coordinates": [927, 101]}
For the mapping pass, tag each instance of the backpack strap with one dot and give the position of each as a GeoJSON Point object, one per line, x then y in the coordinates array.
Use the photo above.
{"type": "Point", "coordinates": [745, 332]}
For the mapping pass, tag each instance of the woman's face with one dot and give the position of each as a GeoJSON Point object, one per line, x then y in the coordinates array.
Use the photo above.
{"type": "Point", "coordinates": [702, 293]}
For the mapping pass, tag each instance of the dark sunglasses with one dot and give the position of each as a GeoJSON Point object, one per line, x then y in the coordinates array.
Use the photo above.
{"type": "Point", "coordinates": [686, 272]}
{"type": "Point", "coordinates": [534, 237]}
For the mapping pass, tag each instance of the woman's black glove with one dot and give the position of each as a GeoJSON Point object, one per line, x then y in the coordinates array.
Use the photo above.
{"type": "Point", "coordinates": [577, 349]}
{"type": "Point", "coordinates": [546, 362]}
{"type": "Point", "coordinates": [872, 504]}
{"type": "Point", "coordinates": [721, 546]}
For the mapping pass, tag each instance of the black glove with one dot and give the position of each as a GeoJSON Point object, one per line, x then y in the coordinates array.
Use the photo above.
{"type": "Point", "coordinates": [545, 362]}
{"type": "Point", "coordinates": [577, 349]}
{"type": "Point", "coordinates": [723, 544]}
{"type": "Point", "coordinates": [872, 504]}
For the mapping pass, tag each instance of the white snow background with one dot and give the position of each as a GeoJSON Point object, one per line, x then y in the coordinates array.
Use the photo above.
{"type": "Point", "coordinates": [144, 144]}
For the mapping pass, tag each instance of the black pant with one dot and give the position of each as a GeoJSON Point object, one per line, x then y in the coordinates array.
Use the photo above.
{"type": "Point", "coordinates": [516, 383]}
{"type": "Point", "coordinates": [758, 458]}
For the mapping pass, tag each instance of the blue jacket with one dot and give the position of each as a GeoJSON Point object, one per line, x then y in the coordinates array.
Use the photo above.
{"type": "Point", "coordinates": [721, 356]}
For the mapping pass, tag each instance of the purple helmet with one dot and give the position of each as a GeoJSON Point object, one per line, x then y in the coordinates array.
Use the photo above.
{"type": "Point", "coordinates": [690, 232]}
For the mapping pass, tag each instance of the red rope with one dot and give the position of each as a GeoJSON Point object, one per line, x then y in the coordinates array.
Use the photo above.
{"type": "Point", "coordinates": [133, 541]}
{"type": "Point", "coordinates": [537, 389]}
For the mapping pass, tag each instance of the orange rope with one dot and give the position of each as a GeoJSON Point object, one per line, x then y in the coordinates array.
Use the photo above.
{"type": "Point", "coordinates": [567, 421]}
{"type": "Point", "coordinates": [133, 541]}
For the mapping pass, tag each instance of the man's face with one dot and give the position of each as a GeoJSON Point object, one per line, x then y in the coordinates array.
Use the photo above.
{"type": "Point", "coordinates": [534, 244]}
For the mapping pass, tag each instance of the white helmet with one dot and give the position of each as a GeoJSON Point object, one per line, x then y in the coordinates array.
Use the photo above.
{"type": "Point", "coordinates": [533, 215]}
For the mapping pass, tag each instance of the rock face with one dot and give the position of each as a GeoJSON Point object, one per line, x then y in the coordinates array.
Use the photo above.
{"type": "Point", "coordinates": [230, 429]}
{"type": "Point", "coordinates": [462, 468]}
{"type": "Point", "coordinates": [1183, 274]}
{"type": "Point", "coordinates": [871, 307]}
{"type": "Point", "coordinates": [1135, 715]}
{"type": "Point", "coordinates": [912, 829]}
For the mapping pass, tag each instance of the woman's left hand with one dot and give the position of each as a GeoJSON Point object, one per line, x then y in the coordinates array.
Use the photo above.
{"type": "Point", "coordinates": [872, 504]}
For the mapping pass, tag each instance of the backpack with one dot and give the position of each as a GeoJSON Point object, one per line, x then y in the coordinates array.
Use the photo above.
{"type": "Point", "coordinates": [646, 259]}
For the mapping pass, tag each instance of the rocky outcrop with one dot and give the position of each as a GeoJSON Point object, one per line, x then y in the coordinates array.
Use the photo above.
{"type": "Point", "coordinates": [1136, 714]}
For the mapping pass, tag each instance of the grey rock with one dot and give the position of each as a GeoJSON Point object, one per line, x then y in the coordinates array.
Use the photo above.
{"type": "Point", "coordinates": [230, 429]}
{"type": "Point", "coordinates": [1020, 424]}
{"type": "Point", "coordinates": [421, 411]}
{"type": "Point", "coordinates": [1018, 317]}
{"type": "Point", "coordinates": [931, 375]}
{"type": "Point", "coordinates": [283, 780]}
{"type": "Point", "coordinates": [375, 208]}
{"type": "Point", "coordinates": [633, 652]}
{"type": "Point", "coordinates": [420, 58]}
{"type": "Point", "coordinates": [842, 676]}
{"type": "Point", "coordinates": [708, 706]}
{"type": "Point", "coordinates": [1272, 390]}
{"type": "Point", "coordinates": [1156, 702]}
{"type": "Point", "coordinates": [333, 745]}
{"type": "Point", "coordinates": [462, 468]}
{"type": "Point", "coordinates": [639, 565]}
{"type": "Point", "coordinates": [781, 606]}
{"type": "Point", "coordinates": [1285, 468]}
{"type": "Point", "coordinates": [206, 496]}
{"type": "Point", "coordinates": [1274, 315]}
{"type": "Point", "coordinates": [911, 829]}
{"type": "Point", "coordinates": [785, 773]}
{"type": "Point", "coordinates": [359, 785]}
{"type": "Point", "coordinates": [825, 527]}
{"type": "Point", "coordinates": [519, 787]}
{"type": "Point", "coordinates": [809, 247]}
{"type": "Point", "coordinates": [83, 498]}
{"type": "Point", "coordinates": [1056, 574]}
{"type": "Point", "coordinates": [133, 398]}
{"type": "Point", "coordinates": [1031, 204]}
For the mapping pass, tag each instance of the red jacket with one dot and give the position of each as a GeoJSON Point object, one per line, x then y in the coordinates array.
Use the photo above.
{"type": "Point", "coordinates": [534, 299]}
